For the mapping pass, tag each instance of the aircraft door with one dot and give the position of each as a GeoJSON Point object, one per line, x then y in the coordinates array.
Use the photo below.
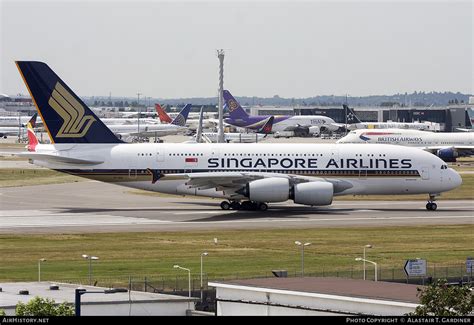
{"type": "Point", "coordinates": [425, 173]}
{"type": "Point", "coordinates": [132, 172]}
{"type": "Point", "coordinates": [363, 173]}
{"type": "Point", "coordinates": [160, 155]}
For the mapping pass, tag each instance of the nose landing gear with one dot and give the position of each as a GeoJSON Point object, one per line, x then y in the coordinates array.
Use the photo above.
{"type": "Point", "coordinates": [431, 205]}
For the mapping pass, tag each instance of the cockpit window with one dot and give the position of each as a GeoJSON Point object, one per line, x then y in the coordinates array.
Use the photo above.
{"type": "Point", "coordinates": [444, 166]}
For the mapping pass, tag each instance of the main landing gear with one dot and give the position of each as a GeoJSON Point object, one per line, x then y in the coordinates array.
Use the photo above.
{"type": "Point", "coordinates": [431, 205]}
{"type": "Point", "coordinates": [246, 205]}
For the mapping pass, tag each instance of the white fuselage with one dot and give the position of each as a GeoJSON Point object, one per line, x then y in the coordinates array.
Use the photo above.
{"type": "Point", "coordinates": [146, 129]}
{"type": "Point", "coordinates": [235, 137]}
{"type": "Point", "coordinates": [353, 169]}
{"type": "Point", "coordinates": [305, 121]}
{"type": "Point", "coordinates": [128, 121]}
{"type": "Point", "coordinates": [427, 126]}
{"type": "Point", "coordinates": [11, 131]}
{"type": "Point", "coordinates": [14, 120]}
{"type": "Point", "coordinates": [410, 138]}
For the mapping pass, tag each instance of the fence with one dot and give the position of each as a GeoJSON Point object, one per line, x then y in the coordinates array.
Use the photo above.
{"type": "Point", "coordinates": [179, 283]}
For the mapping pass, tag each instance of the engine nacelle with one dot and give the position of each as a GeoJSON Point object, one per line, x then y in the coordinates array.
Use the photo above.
{"type": "Point", "coordinates": [314, 130]}
{"type": "Point", "coordinates": [313, 193]}
{"type": "Point", "coordinates": [268, 190]}
{"type": "Point", "coordinates": [448, 154]}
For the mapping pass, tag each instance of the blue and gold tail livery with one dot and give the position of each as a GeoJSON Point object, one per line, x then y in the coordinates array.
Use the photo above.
{"type": "Point", "coordinates": [66, 118]}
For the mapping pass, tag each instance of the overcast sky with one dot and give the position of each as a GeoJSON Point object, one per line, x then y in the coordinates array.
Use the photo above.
{"type": "Point", "coordinates": [302, 49]}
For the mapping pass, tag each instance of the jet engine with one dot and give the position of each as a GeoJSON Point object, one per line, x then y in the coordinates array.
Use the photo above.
{"type": "Point", "coordinates": [267, 190]}
{"type": "Point", "coordinates": [448, 154]}
{"type": "Point", "coordinates": [279, 190]}
{"type": "Point", "coordinates": [313, 193]}
{"type": "Point", "coordinates": [314, 130]}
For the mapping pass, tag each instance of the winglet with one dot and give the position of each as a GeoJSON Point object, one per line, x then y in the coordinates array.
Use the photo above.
{"type": "Point", "coordinates": [164, 118]}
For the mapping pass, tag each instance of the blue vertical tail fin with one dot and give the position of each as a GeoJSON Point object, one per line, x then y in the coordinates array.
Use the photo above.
{"type": "Point", "coordinates": [66, 118]}
{"type": "Point", "coordinates": [235, 110]}
{"type": "Point", "coordinates": [180, 119]}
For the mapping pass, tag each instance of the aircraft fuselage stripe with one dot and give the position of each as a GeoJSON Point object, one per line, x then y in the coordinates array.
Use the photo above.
{"type": "Point", "coordinates": [315, 172]}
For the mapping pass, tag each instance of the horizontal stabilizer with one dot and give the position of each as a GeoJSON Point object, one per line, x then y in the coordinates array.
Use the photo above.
{"type": "Point", "coordinates": [56, 159]}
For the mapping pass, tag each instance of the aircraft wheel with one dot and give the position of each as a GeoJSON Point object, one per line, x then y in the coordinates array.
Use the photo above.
{"type": "Point", "coordinates": [235, 205]}
{"type": "Point", "coordinates": [225, 205]}
{"type": "Point", "coordinates": [262, 207]}
{"type": "Point", "coordinates": [431, 206]}
{"type": "Point", "coordinates": [246, 205]}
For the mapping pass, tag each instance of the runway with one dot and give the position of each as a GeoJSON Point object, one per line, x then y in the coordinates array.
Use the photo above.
{"type": "Point", "coordinates": [98, 207]}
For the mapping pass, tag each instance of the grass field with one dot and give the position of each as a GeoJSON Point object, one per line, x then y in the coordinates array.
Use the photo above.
{"type": "Point", "coordinates": [22, 177]}
{"type": "Point", "coordinates": [245, 253]}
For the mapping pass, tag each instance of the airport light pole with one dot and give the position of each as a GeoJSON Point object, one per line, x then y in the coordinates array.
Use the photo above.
{"type": "Point", "coordinates": [139, 112]}
{"type": "Point", "coordinates": [220, 130]}
{"type": "Point", "coordinates": [366, 246]}
{"type": "Point", "coordinates": [298, 243]}
{"type": "Point", "coordinates": [375, 264]}
{"type": "Point", "coordinates": [39, 268]}
{"type": "Point", "coordinates": [202, 255]}
{"type": "Point", "coordinates": [189, 279]}
{"type": "Point", "coordinates": [90, 258]}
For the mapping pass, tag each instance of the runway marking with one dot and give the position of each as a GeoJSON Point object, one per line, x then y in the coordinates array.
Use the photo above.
{"type": "Point", "coordinates": [54, 221]}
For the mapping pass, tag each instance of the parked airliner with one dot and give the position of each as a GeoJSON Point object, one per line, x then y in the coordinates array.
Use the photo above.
{"type": "Point", "coordinates": [353, 123]}
{"type": "Point", "coordinates": [447, 146]}
{"type": "Point", "coordinates": [299, 124]}
{"type": "Point", "coordinates": [247, 176]}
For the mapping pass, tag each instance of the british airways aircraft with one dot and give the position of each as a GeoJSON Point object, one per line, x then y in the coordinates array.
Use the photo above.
{"type": "Point", "coordinates": [308, 124]}
{"type": "Point", "coordinates": [354, 123]}
{"type": "Point", "coordinates": [447, 146]}
{"type": "Point", "coordinates": [246, 176]}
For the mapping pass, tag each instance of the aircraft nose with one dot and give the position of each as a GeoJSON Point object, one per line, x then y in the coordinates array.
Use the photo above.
{"type": "Point", "coordinates": [455, 178]}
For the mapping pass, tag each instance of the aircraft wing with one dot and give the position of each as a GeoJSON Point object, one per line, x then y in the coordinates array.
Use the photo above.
{"type": "Point", "coordinates": [156, 133]}
{"type": "Point", "coordinates": [234, 181]}
{"type": "Point", "coordinates": [461, 147]}
{"type": "Point", "coordinates": [54, 158]}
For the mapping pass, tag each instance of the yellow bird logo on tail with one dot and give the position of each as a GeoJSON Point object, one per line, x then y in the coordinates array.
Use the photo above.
{"type": "Point", "coordinates": [76, 123]}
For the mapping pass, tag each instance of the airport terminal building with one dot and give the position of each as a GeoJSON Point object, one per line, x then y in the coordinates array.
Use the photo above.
{"type": "Point", "coordinates": [450, 118]}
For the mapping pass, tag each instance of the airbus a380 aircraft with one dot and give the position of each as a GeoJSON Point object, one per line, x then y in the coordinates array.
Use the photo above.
{"type": "Point", "coordinates": [254, 174]}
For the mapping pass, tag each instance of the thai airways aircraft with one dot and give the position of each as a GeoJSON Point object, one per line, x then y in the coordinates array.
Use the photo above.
{"type": "Point", "coordinates": [446, 146]}
{"type": "Point", "coordinates": [308, 124]}
{"type": "Point", "coordinates": [353, 123]}
{"type": "Point", "coordinates": [247, 176]}
{"type": "Point", "coordinates": [213, 137]}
